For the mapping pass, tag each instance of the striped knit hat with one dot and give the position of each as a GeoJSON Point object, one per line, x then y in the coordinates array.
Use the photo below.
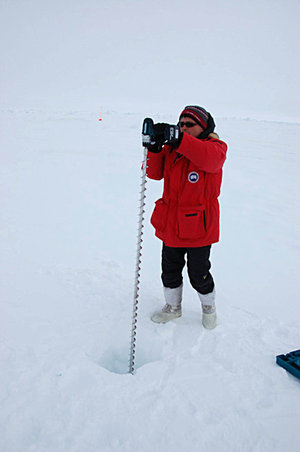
{"type": "Point", "coordinates": [199, 114]}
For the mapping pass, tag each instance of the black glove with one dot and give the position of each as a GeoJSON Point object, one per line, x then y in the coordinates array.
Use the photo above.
{"type": "Point", "coordinates": [154, 148]}
{"type": "Point", "coordinates": [164, 134]}
{"type": "Point", "coordinates": [160, 135]}
{"type": "Point", "coordinates": [157, 138]}
{"type": "Point", "coordinates": [173, 136]}
{"type": "Point", "coordinates": [209, 129]}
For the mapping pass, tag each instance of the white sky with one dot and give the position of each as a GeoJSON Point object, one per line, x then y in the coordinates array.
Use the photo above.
{"type": "Point", "coordinates": [233, 57]}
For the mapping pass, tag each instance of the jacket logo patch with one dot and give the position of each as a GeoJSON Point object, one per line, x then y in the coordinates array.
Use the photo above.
{"type": "Point", "coordinates": [193, 177]}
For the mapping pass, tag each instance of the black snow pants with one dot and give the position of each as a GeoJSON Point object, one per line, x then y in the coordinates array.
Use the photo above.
{"type": "Point", "coordinates": [198, 265]}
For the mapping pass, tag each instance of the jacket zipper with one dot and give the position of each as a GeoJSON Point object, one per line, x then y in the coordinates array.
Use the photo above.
{"type": "Point", "coordinates": [204, 220]}
{"type": "Point", "coordinates": [177, 157]}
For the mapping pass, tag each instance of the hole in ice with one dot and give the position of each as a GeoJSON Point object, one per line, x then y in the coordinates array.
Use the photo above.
{"type": "Point", "coordinates": [117, 360]}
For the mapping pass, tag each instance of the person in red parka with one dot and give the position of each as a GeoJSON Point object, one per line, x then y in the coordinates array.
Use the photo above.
{"type": "Point", "coordinates": [186, 218]}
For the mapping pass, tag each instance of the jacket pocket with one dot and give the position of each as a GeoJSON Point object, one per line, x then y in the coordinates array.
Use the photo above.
{"type": "Point", "coordinates": [191, 222]}
{"type": "Point", "coordinates": [159, 215]}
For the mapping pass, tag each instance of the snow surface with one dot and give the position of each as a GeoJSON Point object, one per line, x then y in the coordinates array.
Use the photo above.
{"type": "Point", "coordinates": [70, 190]}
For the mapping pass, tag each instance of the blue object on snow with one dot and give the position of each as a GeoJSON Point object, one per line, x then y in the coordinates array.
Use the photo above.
{"type": "Point", "coordinates": [290, 362]}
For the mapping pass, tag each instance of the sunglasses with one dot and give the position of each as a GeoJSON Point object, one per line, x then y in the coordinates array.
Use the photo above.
{"type": "Point", "coordinates": [187, 124]}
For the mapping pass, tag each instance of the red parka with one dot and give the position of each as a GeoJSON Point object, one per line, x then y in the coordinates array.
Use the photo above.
{"type": "Point", "coordinates": [188, 213]}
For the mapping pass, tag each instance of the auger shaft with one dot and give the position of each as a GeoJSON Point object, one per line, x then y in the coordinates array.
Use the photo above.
{"type": "Point", "coordinates": [138, 263]}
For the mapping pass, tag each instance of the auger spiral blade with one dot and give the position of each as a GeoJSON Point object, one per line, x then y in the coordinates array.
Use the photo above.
{"type": "Point", "coordinates": [138, 264]}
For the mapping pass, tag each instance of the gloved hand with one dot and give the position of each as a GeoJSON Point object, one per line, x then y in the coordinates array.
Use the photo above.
{"type": "Point", "coordinates": [158, 138]}
{"type": "Point", "coordinates": [164, 134]}
{"type": "Point", "coordinates": [154, 148]}
{"type": "Point", "coordinates": [159, 132]}
{"type": "Point", "coordinates": [210, 127]}
{"type": "Point", "coordinates": [173, 136]}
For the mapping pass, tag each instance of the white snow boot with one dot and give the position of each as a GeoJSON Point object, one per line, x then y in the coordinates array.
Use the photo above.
{"type": "Point", "coordinates": [209, 314]}
{"type": "Point", "coordinates": [172, 308]}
